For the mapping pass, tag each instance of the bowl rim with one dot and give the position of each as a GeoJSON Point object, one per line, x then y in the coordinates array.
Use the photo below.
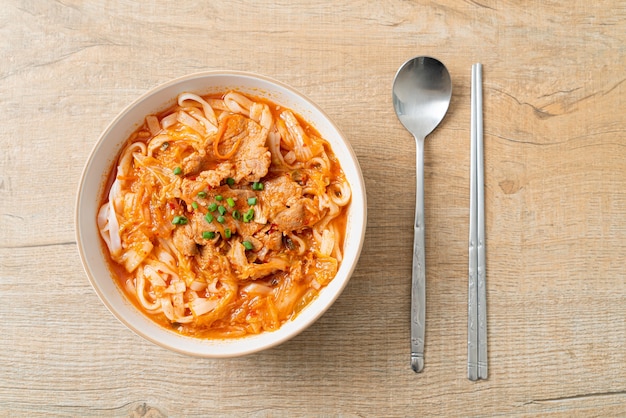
{"type": "Point", "coordinates": [358, 181]}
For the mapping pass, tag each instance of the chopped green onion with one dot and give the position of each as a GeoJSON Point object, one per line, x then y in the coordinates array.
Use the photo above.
{"type": "Point", "coordinates": [178, 170]}
{"type": "Point", "coordinates": [249, 215]}
{"type": "Point", "coordinates": [227, 233]}
{"type": "Point", "coordinates": [296, 176]}
{"type": "Point", "coordinates": [208, 217]}
{"type": "Point", "coordinates": [208, 235]}
{"type": "Point", "coordinates": [248, 245]}
{"type": "Point", "coordinates": [179, 220]}
{"type": "Point", "coordinates": [201, 195]}
{"type": "Point", "coordinates": [212, 207]}
{"type": "Point", "coordinates": [221, 210]}
{"type": "Point", "coordinates": [221, 219]}
{"type": "Point", "coordinates": [230, 181]}
{"type": "Point", "coordinates": [194, 205]}
{"type": "Point", "coordinates": [257, 186]}
{"type": "Point", "coordinates": [219, 198]}
{"type": "Point", "coordinates": [231, 202]}
{"type": "Point", "coordinates": [236, 214]}
{"type": "Point", "coordinates": [252, 201]}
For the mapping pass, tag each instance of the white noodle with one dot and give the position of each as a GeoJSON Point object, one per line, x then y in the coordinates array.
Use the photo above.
{"type": "Point", "coordinates": [176, 287]}
{"type": "Point", "coordinates": [337, 253]}
{"type": "Point", "coordinates": [199, 116]}
{"type": "Point", "coordinates": [256, 288]}
{"type": "Point", "coordinates": [237, 103]}
{"type": "Point", "coordinates": [197, 286]}
{"type": "Point", "coordinates": [185, 319]}
{"type": "Point", "coordinates": [303, 152]}
{"type": "Point", "coordinates": [328, 242]}
{"type": "Point", "coordinates": [340, 193]}
{"type": "Point", "coordinates": [109, 228]}
{"type": "Point", "coordinates": [302, 247]}
{"type": "Point", "coordinates": [323, 163]}
{"type": "Point", "coordinates": [153, 125]}
{"type": "Point", "coordinates": [125, 163]}
{"type": "Point", "coordinates": [209, 113]}
{"type": "Point", "coordinates": [186, 119]}
{"type": "Point", "coordinates": [140, 291]}
{"type": "Point", "coordinates": [200, 306]}
{"type": "Point", "coordinates": [261, 114]}
{"type": "Point", "coordinates": [169, 120]}
{"type": "Point", "coordinates": [178, 302]}
{"type": "Point", "coordinates": [290, 157]}
{"type": "Point", "coordinates": [154, 277]}
{"type": "Point", "coordinates": [166, 305]}
{"type": "Point", "coordinates": [157, 142]}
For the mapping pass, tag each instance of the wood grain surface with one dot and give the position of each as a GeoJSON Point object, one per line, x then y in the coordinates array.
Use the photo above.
{"type": "Point", "coordinates": [555, 198]}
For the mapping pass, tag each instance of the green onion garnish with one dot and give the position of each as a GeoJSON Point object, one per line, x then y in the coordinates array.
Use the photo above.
{"type": "Point", "coordinates": [201, 195]}
{"type": "Point", "coordinates": [212, 207]}
{"type": "Point", "coordinates": [208, 217]}
{"type": "Point", "coordinates": [236, 214]}
{"type": "Point", "coordinates": [231, 202]}
{"type": "Point", "coordinates": [177, 170]}
{"type": "Point", "coordinates": [227, 233]}
{"type": "Point", "coordinates": [248, 245]}
{"type": "Point", "coordinates": [257, 186]}
{"type": "Point", "coordinates": [249, 215]}
{"type": "Point", "coordinates": [221, 219]}
{"type": "Point", "coordinates": [208, 235]}
{"type": "Point", "coordinates": [219, 198]}
{"type": "Point", "coordinates": [252, 201]}
{"type": "Point", "coordinates": [230, 181]}
{"type": "Point", "coordinates": [194, 205]}
{"type": "Point", "coordinates": [221, 210]}
{"type": "Point", "coordinates": [179, 220]}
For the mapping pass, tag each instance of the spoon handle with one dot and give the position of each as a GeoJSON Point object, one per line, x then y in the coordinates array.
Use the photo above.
{"type": "Point", "coordinates": [418, 280]}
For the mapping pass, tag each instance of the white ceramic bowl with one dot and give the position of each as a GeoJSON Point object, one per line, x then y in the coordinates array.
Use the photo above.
{"type": "Point", "coordinates": [104, 154]}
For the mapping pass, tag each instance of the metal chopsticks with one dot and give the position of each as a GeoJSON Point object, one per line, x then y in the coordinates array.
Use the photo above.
{"type": "Point", "coordinates": [477, 306]}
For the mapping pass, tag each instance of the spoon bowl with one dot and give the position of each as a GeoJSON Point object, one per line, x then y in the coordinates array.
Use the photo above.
{"type": "Point", "coordinates": [421, 95]}
{"type": "Point", "coordinates": [422, 90]}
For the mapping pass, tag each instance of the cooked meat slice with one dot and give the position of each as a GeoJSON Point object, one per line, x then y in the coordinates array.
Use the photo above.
{"type": "Point", "coordinates": [246, 270]}
{"type": "Point", "coordinates": [192, 164]}
{"type": "Point", "coordinates": [199, 225]}
{"type": "Point", "coordinates": [272, 240]}
{"type": "Point", "coordinates": [256, 244]}
{"type": "Point", "coordinates": [190, 188]}
{"type": "Point", "coordinates": [211, 260]}
{"type": "Point", "coordinates": [216, 176]}
{"type": "Point", "coordinates": [252, 158]}
{"type": "Point", "coordinates": [279, 193]}
{"type": "Point", "coordinates": [248, 229]}
{"type": "Point", "coordinates": [183, 240]}
{"type": "Point", "coordinates": [240, 195]}
{"type": "Point", "coordinates": [290, 219]}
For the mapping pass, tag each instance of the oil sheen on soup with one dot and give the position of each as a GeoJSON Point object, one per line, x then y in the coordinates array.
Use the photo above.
{"type": "Point", "coordinates": [224, 216]}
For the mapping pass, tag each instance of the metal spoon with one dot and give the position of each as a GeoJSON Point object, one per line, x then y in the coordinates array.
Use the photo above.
{"type": "Point", "coordinates": [421, 94]}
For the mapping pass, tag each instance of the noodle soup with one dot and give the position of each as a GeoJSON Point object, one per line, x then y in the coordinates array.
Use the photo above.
{"type": "Point", "coordinates": [225, 215]}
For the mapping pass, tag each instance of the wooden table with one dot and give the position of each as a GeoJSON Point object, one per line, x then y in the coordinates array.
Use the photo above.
{"type": "Point", "coordinates": [555, 174]}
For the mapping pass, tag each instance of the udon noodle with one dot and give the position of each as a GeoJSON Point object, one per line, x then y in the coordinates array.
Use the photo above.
{"type": "Point", "coordinates": [225, 215]}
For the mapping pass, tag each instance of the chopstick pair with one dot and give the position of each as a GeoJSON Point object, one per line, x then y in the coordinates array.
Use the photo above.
{"type": "Point", "coordinates": [477, 306]}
